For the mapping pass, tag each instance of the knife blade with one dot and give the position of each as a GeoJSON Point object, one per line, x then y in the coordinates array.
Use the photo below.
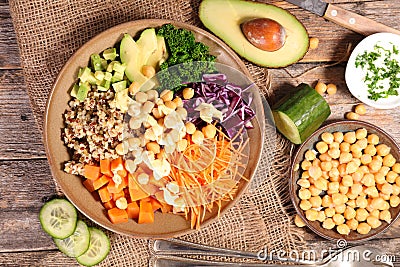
{"type": "Point", "coordinates": [345, 18]}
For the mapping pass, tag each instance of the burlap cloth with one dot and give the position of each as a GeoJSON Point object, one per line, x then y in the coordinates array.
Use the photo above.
{"type": "Point", "coordinates": [50, 31]}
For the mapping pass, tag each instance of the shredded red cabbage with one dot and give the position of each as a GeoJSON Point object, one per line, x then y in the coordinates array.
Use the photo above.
{"type": "Point", "coordinates": [232, 100]}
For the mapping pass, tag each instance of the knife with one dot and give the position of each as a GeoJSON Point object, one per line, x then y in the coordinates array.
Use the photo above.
{"type": "Point", "coordinates": [343, 17]}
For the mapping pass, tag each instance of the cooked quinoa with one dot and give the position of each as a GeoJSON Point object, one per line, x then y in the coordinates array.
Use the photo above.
{"type": "Point", "coordinates": [92, 130]}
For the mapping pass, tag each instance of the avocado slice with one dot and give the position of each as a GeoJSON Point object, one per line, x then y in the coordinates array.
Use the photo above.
{"type": "Point", "coordinates": [129, 53]}
{"type": "Point", "coordinates": [136, 54]}
{"type": "Point", "coordinates": [159, 55]}
{"type": "Point", "coordinates": [224, 17]}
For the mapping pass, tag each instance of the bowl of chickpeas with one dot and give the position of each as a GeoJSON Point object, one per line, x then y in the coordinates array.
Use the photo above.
{"type": "Point", "coordinates": [345, 181]}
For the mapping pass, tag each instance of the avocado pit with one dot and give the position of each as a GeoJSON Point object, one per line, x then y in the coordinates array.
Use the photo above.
{"type": "Point", "coordinates": [265, 34]}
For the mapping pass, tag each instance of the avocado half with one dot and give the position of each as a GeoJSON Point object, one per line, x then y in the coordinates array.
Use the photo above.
{"type": "Point", "coordinates": [224, 17]}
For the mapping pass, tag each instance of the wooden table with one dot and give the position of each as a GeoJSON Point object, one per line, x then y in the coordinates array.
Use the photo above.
{"type": "Point", "coordinates": [25, 179]}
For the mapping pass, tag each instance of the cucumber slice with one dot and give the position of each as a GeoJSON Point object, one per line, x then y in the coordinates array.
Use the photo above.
{"type": "Point", "coordinates": [58, 218]}
{"type": "Point", "coordinates": [297, 116]}
{"type": "Point", "coordinates": [77, 243]}
{"type": "Point", "coordinates": [98, 250]}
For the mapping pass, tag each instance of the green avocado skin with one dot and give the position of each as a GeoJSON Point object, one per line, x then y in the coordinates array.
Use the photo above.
{"type": "Point", "coordinates": [306, 108]}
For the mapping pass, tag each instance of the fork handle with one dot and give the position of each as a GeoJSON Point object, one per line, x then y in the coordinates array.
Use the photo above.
{"type": "Point", "coordinates": [179, 248]}
{"type": "Point", "coordinates": [169, 261]}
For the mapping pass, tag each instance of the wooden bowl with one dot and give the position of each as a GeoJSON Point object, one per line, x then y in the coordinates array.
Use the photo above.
{"type": "Point", "coordinates": [166, 225]}
{"type": "Point", "coordinates": [342, 126]}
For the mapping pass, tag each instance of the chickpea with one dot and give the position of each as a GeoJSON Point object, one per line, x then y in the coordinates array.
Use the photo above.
{"type": "Point", "coordinates": [337, 199]}
{"type": "Point", "coordinates": [209, 131]}
{"type": "Point", "coordinates": [351, 203]}
{"type": "Point", "coordinates": [338, 219]}
{"type": "Point", "coordinates": [360, 109]}
{"type": "Point", "coordinates": [314, 41]}
{"type": "Point", "coordinates": [375, 165]}
{"type": "Point", "coordinates": [329, 212]}
{"type": "Point", "coordinates": [371, 191]}
{"type": "Point", "coordinates": [368, 179]}
{"type": "Point", "coordinates": [370, 150]}
{"type": "Point", "coordinates": [356, 189]}
{"type": "Point", "coordinates": [190, 128]}
{"type": "Point", "coordinates": [315, 201]}
{"type": "Point", "coordinates": [178, 102]}
{"type": "Point", "coordinates": [396, 189]}
{"type": "Point", "coordinates": [340, 209]}
{"type": "Point", "coordinates": [343, 229]}
{"type": "Point", "coordinates": [352, 224]}
{"type": "Point", "coordinates": [325, 157]}
{"type": "Point", "coordinates": [326, 201]}
{"type": "Point", "coordinates": [133, 88]}
{"type": "Point", "coordinates": [306, 175]}
{"type": "Point", "coordinates": [344, 147]}
{"type": "Point", "coordinates": [349, 213]}
{"type": "Point", "coordinates": [153, 147]}
{"type": "Point", "coordinates": [305, 165]}
{"type": "Point", "coordinates": [315, 172]}
{"type": "Point", "coordinates": [363, 228]}
{"type": "Point", "coordinates": [384, 170]}
{"type": "Point", "coordinates": [121, 149]}
{"type": "Point", "coordinates": [298, 221]}
{"type": "Point", "coordinates": [170, 104]}
{"type": "Point", "coordinates": [387, 189]}
{"type": "Point", "coordinates": [391, 177]}
{"type": "Point", "coordinates": [157, 113]}
{"type": "Point", "coordinates": [385, 215]}
{"type": "Point", "coordinates": [361, 133]}
{"type": "Point", "coordinates": [148, 71]}
{"type": "Point", "coordinates": [376, 203]}
{"type": "Point", "coordinates": [384, 196]}
{"type": "Point", "coordinates": [364, 169]}
{"type": "Point", "coordinates": [394, 201]}
{"type": "Point", "coordinates": [374, 213]}
{"type": "Point", "coordinates": [361, 214]}
{"type": "Point", "coordinates": [181, 145]}
{"type": "Point", "coordinates": [347, 180]}
{"type": "Point", "coordinates": [121, 203]}
{"type": "Point", "coordinates": [357, 176]}
{"type": "Point", "coordinates": [322, 147]}
{"type": "Point", "coordinates": [314, 190]}
{"type": "Point", "coordinates": [396, 167]}
{"type": "Point", "coordinates": [321, 216]}
{"type": "Point", "coordinates": [334, 153]}
{"type": "Point", "coordinates": [321, 184]}
{"type": "Point", "coordinates": [316, 163]}
{"type": "Point", "coordinates": [382, 150]}
{"type": "Point", "coordinates": [352, 116]}
{"type": "Point", "coordinates": [305, 183]}
{"type": "Point", "coordinates": [343, 189]}
{"type": "Point", "coordinates": [345, 157]}
{"type": "Point", "coordinates": [333, 173]}
{"type": "Point", "coordinates": [333, 186]}
{"type": "Point", "coordinates": [351, 196]}
{"type": "Point", "coordinates": [373, 222]}
{"type": "Point", "coordinates": [388, 160]}
{"type": "Point", "coordinates": [350, 137]}
{"type": "Point", "coordinates": [320, 88]}
{"type": "Point", "coordinates": [141, 97]}
{"type": "Point", "coordinates": [373, 139]}
{"type": "Point", "coordinates": [363, 142]}
{"type": "Point", "coordinates": [328, 224]}
{"type": "Point", "coordinates": [188, 93]}
{"type": "Point", "coordinates": [338, 137]}
{"type": "Point", "coordinates": [311, 215]}
{"type": "Point", "coordinates": [197, 137]}
{"type": "Point", "coordinates": [335, 163]}
{"type": "Point", "coordinates": [326, 166]}
{"type": "Point", "coordinates": [379, 178]}
{"type": "Point", "coordinates": [309, 155]}
{"type": "Point", "coordinates": [351, 167]}
{"type": "Point", "coordinates": [361, 202]}
{"type": "Point", "coordinates": [167, 95]}
{"type": "Point", "coordinates": [342, 169]}
{"type": "Point", "coordinates": [331, 89]}
{"type": "Point", "coordinates": [366, 159]}
{"type": "Point", "coordinates": [305, 205]}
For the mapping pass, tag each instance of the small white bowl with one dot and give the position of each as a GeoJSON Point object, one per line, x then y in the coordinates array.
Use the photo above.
{"type": "Point", "coordinates": [355, 76]}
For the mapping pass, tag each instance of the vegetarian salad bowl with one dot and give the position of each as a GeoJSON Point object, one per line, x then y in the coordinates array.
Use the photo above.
{"type": "Point", "coordinates": [118, 141]}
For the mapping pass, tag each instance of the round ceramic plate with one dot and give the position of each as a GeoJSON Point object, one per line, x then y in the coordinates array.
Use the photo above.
{"type": "Point", "coordinates": [165, 225]}
{"type": "Point", "coordinates": [295, 174]}
{"type": "Point", "coordinates": [355, 75]}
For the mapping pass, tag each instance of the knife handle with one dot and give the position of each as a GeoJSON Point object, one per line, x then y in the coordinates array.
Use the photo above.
{"type": "Point", "coordinates": [355, 22]}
